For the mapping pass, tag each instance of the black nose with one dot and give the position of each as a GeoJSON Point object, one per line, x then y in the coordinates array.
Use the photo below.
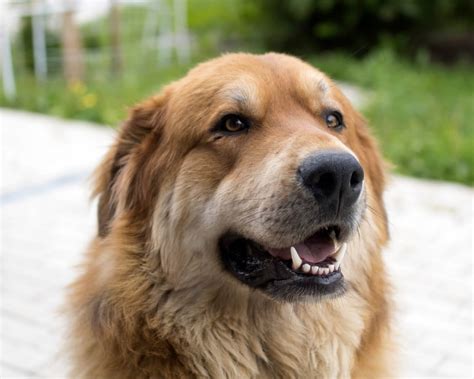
{"type": "Point", "coordinates": [334, 178]}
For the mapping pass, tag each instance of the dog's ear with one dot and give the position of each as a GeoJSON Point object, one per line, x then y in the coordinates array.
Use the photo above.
{"type": "Point", "coordinates": [146, 120]}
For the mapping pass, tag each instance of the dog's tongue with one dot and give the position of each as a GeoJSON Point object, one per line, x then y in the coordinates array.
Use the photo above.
{"type": "Point", "coordinates": [315, 249]}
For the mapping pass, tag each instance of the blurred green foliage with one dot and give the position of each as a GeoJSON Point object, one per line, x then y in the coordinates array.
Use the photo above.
{"type": "Point", "coordinates": [354, 25]}
{"type": "Point", "coordinates": [420, 111]}
{"type": "Point", "coordinates": [217, 24]}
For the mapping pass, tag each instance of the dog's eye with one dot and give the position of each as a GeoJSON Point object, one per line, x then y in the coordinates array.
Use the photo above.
{"type": "Point", "coordinates": [334, 120]}
{"type": "Point", "coordinates": [232, 124]}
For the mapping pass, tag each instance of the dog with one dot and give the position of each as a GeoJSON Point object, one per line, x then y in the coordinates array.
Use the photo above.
{"type": "Point", "coordinates": [240, 228]}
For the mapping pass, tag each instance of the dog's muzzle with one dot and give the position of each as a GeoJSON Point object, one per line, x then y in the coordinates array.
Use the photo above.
{"type": "Point", "coordinates": [309, 268]}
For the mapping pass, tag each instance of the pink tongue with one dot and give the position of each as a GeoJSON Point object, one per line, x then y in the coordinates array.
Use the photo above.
{"type": "Point", "coordinates": [315, 249]}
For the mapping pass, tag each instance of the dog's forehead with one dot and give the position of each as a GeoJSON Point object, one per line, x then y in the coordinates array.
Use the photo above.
{"type": "Point", "coordinates": [316, 90]}
{"type": "Point", "coordinates": [300, 74]}
{"type": "Point", "coordinates": [275, 77]}
{"type": "Point", "coordinates": [275, 86]}
{"type": "Point", "coordinates": [245, 91]}
{"type": "Point", "coordinates": [312, 81]}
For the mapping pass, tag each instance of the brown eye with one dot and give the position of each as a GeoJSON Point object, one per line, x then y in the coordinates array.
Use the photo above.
{"type": "Point", "coordinates": [232, 124]}
{"type": "Point", "coordinates": [334, 120]}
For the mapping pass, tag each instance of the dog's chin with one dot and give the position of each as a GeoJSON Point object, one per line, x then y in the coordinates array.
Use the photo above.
{"type": "Point", "coordinates": [309, 270]}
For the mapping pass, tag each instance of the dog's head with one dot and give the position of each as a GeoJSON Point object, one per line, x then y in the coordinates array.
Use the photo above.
{"type": "Point", "coordinates": [251, 172]}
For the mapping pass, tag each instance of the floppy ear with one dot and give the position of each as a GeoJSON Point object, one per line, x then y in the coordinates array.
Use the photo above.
{"type": "Point", "coordinates": [145, 120]}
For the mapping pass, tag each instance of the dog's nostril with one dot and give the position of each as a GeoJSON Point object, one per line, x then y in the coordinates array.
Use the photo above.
{"type": "Point", "coordinates": [356, 179]}
{"type": "Point", "coordinates": [326, 182]}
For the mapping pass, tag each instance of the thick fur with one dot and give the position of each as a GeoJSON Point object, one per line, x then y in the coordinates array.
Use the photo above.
{"type": "Point", "coordinates": [153, 300]}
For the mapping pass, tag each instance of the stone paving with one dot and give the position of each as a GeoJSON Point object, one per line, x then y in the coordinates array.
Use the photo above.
{"type": "Point", "coordinates": [47, 220]}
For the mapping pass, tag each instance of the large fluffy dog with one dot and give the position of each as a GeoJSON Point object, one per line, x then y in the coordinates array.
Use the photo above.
{"type": "Point", "coordinates": [241, 222]}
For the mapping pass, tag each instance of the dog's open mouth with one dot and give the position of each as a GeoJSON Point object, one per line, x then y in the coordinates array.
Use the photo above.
{"type": "Point", "coordinates": [311, 267]}
{"type": "Point", "coordinates": [320, 254]}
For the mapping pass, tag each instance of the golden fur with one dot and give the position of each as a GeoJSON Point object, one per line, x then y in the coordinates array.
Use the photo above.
{"type": "Point", "coordinates": [153, 300]}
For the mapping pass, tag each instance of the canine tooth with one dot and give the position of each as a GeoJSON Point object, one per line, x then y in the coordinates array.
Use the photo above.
{"type": "Point", "coordinates": [334, 239]}
{"type": "Point", "coordinates": [331, 268]}
{"type": "Point", "coordinates": [306, 268]}
{"type": "Point", "coordinates": [295, 258]}
{"type": "Point", "coordinates": [314, 270]}
{"type": "Point", "coordinates": [339, 255]}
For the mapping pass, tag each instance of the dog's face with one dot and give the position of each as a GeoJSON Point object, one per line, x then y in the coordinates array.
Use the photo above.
{"type": "Point", "coordinates": [252, 171]}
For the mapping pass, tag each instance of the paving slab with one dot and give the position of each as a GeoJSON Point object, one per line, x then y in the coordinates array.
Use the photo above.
{"type": "Point", "coordinates": [47, 221]}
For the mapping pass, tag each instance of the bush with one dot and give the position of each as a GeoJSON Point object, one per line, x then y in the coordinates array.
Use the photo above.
{"type": "Point", "coordinates": [355, 26]}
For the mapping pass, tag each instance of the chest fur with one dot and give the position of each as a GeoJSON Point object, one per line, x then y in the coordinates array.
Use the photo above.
{"type": "Point", "coordinates": [288, 343]}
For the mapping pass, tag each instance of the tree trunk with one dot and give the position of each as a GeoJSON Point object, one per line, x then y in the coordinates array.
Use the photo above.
{"type": "Point", "coordinates": [73, 60]}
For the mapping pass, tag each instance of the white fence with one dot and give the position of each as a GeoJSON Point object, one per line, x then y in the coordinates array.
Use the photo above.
{"type": "Point", "coordinates": [165, 31]}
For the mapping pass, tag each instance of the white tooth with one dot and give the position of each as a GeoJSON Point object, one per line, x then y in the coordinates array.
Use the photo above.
{"type": "Point", "coordinates": [321, 271]}
{"type": "Point", "coordinates": [306, 268]}
{"type": "Point", "coordinates": [331, 268]}
{"type": "Point", "coordinates": [339, 255]}
{"type": "Point", "coordinates": [326, 271]}
{"type": "Point", "coordinates": [336, 266]}
{"type": "Point", "coordinates": [314, 270]}
{"type": "Point", "coordinates": [295, 258]}
{"type": "Point", "coordinates": [334, 239]}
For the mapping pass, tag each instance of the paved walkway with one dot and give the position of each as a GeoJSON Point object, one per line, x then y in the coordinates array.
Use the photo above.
{"type": "Point", "coordinates": [46, 224]}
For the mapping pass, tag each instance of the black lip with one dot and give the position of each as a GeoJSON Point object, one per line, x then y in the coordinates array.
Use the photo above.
{"type": "Point", "coordinates": [248, 262]}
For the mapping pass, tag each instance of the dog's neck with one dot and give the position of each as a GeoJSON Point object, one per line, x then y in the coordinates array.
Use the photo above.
{"type": "Point", "coordinates": [286, 339]}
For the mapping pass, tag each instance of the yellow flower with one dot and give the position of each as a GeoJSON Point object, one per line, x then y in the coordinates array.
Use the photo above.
{"type": "Point", "coordinates": [77, 87]}
{"type": "Point", "coordinates": [89, 100]}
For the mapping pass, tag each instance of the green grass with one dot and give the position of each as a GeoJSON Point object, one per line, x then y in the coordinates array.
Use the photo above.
{"type": "Point", "coordinates": [420, 112]}
{"type": "Point", "coordinates": [105, 99]}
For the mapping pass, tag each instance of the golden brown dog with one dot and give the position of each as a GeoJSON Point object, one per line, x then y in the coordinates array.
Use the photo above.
{"type": "Point", "coordinates": [241, 223]}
